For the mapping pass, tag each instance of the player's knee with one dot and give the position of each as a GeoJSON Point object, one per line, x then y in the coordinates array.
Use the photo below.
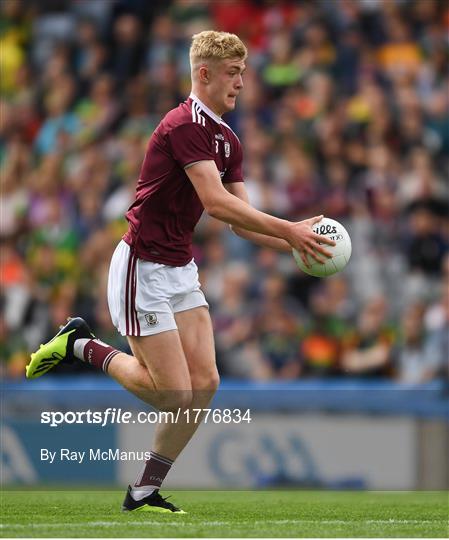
{"type": "Point", "coordinates": [206, 381]}
{"type": "Point", "coordinates": [214, 381]}
{"type": "Point", "coordinates": [173, 400]}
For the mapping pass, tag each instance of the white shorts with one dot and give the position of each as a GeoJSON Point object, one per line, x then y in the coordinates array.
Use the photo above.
{"type": "Point", "coordinates": [143, 296]}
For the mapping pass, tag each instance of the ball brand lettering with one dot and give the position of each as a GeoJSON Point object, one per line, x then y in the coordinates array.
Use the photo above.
{"type": "Point", "coordinates": [325, 229]}
{"type": "Point", "coordinates": [336, 238]}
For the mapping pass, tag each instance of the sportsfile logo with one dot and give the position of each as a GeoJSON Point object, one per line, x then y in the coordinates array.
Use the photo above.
{"type": "Point", "coordinates": [109, 416]}
{"type": "Point", "coordinates": [118, 416]}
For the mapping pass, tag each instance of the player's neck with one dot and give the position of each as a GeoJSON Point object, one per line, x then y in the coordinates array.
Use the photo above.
{"type": "Point", "coordinates": [204, 98]}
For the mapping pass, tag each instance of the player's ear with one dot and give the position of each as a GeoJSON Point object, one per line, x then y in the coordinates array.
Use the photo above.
{"type": "Point", "coordinates": [204, 74]}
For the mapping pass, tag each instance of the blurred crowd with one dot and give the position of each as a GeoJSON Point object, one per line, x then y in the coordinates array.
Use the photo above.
{"type": "Point", "coordinates": [344, 112]}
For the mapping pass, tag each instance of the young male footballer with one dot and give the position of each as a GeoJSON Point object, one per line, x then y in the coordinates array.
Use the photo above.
{"type": "Point", "coordinates": [193, 163]}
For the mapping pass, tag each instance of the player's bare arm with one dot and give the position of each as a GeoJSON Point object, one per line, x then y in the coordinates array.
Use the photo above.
{"type": "Point", "coordinates": [238, 189]}
{"type": "Point", "coordinates": [221, 204]}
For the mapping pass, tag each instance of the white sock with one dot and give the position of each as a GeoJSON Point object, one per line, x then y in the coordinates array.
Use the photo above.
{"type": "Point", "coordinates": [141, 492]}
{"type": "Point", "coordinates": [78, 348]}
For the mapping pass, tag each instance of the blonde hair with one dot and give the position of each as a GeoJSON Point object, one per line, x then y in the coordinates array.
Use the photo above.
{"type": "Point", "coordinates": [212, 45]}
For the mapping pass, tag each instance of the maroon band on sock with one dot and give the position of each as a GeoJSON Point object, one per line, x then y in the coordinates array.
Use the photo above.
{"type": "Point", "coordinates": [99, 354]}
{"type": "Point", "coordinates": [154, 472]}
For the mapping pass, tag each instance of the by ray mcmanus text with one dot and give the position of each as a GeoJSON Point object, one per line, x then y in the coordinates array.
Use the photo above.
{"type": "Point", "coordinates": [91, 454]}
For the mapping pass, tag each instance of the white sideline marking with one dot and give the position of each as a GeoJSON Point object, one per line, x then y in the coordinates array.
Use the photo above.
{"type": "Point", "coordinates": [236, 524]}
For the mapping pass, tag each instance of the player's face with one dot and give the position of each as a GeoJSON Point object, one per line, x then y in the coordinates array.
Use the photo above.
{"type": "Point", "coordinates": [225, 84]}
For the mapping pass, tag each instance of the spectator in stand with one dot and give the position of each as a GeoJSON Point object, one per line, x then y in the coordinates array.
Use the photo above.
{"type": "Point", "coordinates": [237, 354]}
{"type": "Point", "coordinates": [414, 358]}
{"type": "Point", "coordinates": [98, 112]}
{"type": "Point", "coordinates": [281, 71]}
{"type": "Point", "coordinates": [302, 184]}
{"type": "Point", "coordinates": [400, 54]}
{"type": "Point", "coordinates": [435, 316]}
{"type": "Point", "coordinates": [420, 182]}
{"type": "Point", "coordinates": [213, 270]}
{"type": "Point", "coordinates": [60, 123]}
{"type": "Point", "coordinates": [90, 55]}
{"type": "Point", "coordinates": [15, 33]}
{"type": "Point", "coordinates": [13, 193]}
{"type": "Point", "coordinates": [436, 323]}
{"type": "Point", "coordinates": [337, 198]}
{"type": "Point", "coordinates": [437, 344]}
{"type": "Point", "coordinates": [127, 48]}
{"type": "Point", "coordinates": [367, 351]}
{"type": "Point", "coordinates": [322, 338]}
{"type": "Point", "coordinates": [425, 248]}
{"type": "Point", "coordinates": [13, 351]}
{"type": "Point", "coordinates": [276, 330]}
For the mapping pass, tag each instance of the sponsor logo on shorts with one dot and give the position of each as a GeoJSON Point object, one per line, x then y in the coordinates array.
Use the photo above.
{"type": "Point", "coordinates": [151, 319]}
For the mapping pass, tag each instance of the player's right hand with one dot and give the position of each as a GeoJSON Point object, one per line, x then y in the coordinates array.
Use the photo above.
{"type": "Point", "coordinates": [302, 238]}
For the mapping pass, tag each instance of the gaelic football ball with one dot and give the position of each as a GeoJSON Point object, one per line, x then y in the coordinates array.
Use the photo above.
{"type": "Point", "coordinates": [341, 252]}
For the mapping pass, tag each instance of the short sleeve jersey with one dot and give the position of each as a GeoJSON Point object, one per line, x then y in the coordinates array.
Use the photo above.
{"type": "Point", "coordinates": [166, 209]}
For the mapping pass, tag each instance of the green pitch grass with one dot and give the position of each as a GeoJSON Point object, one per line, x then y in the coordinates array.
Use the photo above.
{"type": "Point", "coordinates": [228, 514]}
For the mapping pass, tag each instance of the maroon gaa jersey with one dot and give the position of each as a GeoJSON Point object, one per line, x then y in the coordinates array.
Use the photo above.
{"type": "Point", "coordinates": [166, 209]}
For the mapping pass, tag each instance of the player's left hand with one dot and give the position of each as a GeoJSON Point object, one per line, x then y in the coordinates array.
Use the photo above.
{"type": "Point", "coordinates": [307, 242]}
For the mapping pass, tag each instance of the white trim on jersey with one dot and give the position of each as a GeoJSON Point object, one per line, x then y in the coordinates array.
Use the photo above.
{"type": "Point", "coordinates": [200, 106]}
{"type": "Point", "coordinates": [205, 108]}
{"type": "Point", "coordinates": [201, 118]}
{"type": "Point", "coordinates": [197, 117]}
